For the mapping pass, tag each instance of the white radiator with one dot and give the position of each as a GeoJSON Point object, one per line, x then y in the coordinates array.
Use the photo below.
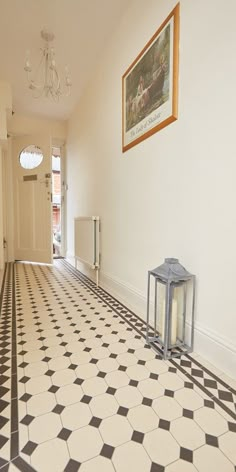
{"type": "Point", "coordinates": [87, 249]}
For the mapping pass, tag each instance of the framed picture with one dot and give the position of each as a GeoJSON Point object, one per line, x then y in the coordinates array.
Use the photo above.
{"type": "Point", "coordinates": [150, 85]}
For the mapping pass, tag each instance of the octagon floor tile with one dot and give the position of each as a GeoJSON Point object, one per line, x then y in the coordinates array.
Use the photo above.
{"type": "Point", "coordinates": [116, 430]}
{"type": "Point", "coordinates": [168, 449]}
{"type": "Point", "coordinates": [85, 443]}
{"type": "Point", "coordinates": [143, 418]}
{"type": "Point", "coordinates": [50, 456]}
{"type": "Point", "coordinates": [75, 416]}
{"type": "Point", "coordinates": [131, 456]}
{"type": "Point", "coordinates": [44, 427]}
{"type": "Point", "coordinates": [206, 456]}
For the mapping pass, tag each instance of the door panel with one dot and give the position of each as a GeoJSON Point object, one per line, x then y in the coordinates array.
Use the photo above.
{"type": "Point", "coordinates": [32, 203]}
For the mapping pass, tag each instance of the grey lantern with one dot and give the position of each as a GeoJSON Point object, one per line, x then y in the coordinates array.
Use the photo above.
{"type": "Point", "coordinates": [173, 320]}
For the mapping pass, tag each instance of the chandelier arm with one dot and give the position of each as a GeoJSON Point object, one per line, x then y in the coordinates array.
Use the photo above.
{"type": "Point", "coordinates": [46, 80]}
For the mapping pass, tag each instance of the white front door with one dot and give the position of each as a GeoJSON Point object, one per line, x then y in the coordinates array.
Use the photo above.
{"type": "Point", "coordinates": [32, 202]}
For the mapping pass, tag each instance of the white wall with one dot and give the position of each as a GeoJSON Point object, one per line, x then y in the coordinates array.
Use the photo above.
{"type": "Point", "coordinates": [1, 210]}
{"type": "Point", "coordinates": [31, 125]}
{"type": "Point", "coordinates": [5, 110]}
{"type": "Point", "coordinates": [174, 193]}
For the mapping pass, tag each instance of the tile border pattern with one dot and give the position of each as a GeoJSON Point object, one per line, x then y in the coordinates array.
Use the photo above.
{"type": "Point", "coordinates": [216, 389]}
{"type": "Point", "coordinates": [8, 320]}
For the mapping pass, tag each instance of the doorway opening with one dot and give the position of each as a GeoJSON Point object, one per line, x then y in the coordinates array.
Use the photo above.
{"type": "Point", "coordinates": [56, 202]}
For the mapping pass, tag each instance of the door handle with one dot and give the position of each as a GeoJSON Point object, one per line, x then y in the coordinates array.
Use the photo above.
{"type": "Point", "coordinates": [46, 182]}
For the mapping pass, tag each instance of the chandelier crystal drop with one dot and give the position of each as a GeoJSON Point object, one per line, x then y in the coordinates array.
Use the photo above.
{"type": "Point", "coordinates": [46, 80]}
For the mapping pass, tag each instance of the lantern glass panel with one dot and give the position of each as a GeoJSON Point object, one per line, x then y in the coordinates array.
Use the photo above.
{"type": "Point", "coordinates": [179, 295]}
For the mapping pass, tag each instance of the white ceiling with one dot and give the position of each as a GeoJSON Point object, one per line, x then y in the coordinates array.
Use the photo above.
{"type": "Point", "coordinates": [82, 29]}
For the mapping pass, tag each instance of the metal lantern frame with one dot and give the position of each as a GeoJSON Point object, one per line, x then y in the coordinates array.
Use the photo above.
{"type": "Point", "coordinates": [172, 275]}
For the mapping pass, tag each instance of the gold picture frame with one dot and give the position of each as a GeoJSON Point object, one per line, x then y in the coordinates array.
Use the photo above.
{"type": "Point", "coordinates": [150, 85]}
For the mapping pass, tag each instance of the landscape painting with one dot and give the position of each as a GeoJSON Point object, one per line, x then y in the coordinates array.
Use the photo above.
{"type": "Point", "coordinates": [150, 85]}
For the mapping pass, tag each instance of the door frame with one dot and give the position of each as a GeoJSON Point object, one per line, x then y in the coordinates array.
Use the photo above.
{"type": "Point", "coordinates": [58, 143]}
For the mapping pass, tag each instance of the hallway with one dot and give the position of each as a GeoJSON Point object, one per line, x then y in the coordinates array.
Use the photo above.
{"type": "Point", "coordinates": [80, 390]}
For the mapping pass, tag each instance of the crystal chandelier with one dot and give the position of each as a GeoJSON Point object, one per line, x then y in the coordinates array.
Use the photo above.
{"type": "Point", "coordinates": [46, 81]}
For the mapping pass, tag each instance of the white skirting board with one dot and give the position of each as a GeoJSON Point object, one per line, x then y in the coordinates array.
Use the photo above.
{"type": "Point", "coordinates": [218, 351]}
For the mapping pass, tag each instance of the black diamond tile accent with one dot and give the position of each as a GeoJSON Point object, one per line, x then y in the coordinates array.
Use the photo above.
{"type": "Point", "coordinates": [3, 421]}
{"type": "Point", "coordinates": [3, 369]}
{"type": "Point", "coordinates": [63, 344]}
{"type": "Point", "coordinates": [111, 391]}
{"type": "Point", "coordinates": [24, 379]}
{"type": "Point", "coordinates": [107, 451]}
{"type": "Point", "coordinates": [113, 356]}
{"type": "Point", "coordinates": [197, 373]}
{"type": "Point", "coordinates": [87, 349]}
{"type": "Point", "coordinates": [58, 409]}
{"type": "Point", "coordinates": [43, 348]}
{"type": "Point", "coordinates": [210, 383]}
{"type": "Point", "coordinates": [212, 440]}
{"type": "Point", "coordinates": [185, 363]}
{"type": "Point", "coordinates": [209, 404]}
{"type": "Point", "coordinates": [72, 466]}
{"type": "Point", "coordinates": [46, 359]}
{"type": "Point", "coordinates": [137, 437]}
{"type": "Point", "coordinates": [140, 362]}
{"type": "Point", "coordinates": [79, 381]}
{"type": "Point", "coordinates": [3, 391]}
{"type": "Point", "coordinates": [154, 376]}
{"type": "Point", "coordinates": [133, 383]}
{"type": "Point", "coordinates": [172, 369]}
{"type": "Point", "coordinates": [122, 411]}
{"type": "Point", "coordinates": [186, 454]}
{"type": "Point", "coordinates": [232, 427]}
{"type": "Point", "coordinates": [225, 396]}
{"type": "Point", "coordinates": [157, 468]}
{"type": "Point", "coordinates": [131, 351]}
{"type": "Point", "coordinates": [95, 422]}
{"type": "Point", "coordinates": [29, 448]}
{"type": "Point", "coordinates": [101, 374]}
{"type": "Point", "coordinates": [147, 401]}
{"type": "Point", "coordinates": [25, 397]}
{"type": "Point", "coordinates": [169, 393]}
{"type": "Point", "coordinates": [50, 372]}
{"type": "Point", "coordinates": [164, 424]}
{"type": "Point", "coordinates": [53, 389]}
{"type": "Point", "coordinates": [188, 413]}
{"type": "Point", "coordinates": [67, 354]}
{"type": "Point", "coordinates": [64, 434]}
{"type": "Point", "coordinates": [23, 365]}
{"type": "Point", "coordinates": [188, 385]}
{"type": "Point", "coordinates": [123, 368]}
{"type": "Point", "coordinates": [93, 361]}
{"type": "Point", "coordinates": [3, 440]}
{"type": "Point", "coordinates": [73, 366]}
{"type": "Point", "coordinates": [27, 420]}
{"type": "Point", "coordinates": [86, 399]}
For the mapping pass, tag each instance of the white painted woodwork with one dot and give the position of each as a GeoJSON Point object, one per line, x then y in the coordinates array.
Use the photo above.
{"type": "Point", "coordinates": [32, 203]}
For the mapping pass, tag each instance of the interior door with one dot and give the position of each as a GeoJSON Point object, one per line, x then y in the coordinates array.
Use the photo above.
{"type": "Point", "coordinates": [32, 200]}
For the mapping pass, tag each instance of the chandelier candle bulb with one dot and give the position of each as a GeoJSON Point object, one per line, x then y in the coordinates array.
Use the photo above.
{"type": "Point", "coordinates": [27, 62]}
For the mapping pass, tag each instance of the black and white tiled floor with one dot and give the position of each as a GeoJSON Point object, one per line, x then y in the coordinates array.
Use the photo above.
{"type": "Point", "coordinates": [80, 390]}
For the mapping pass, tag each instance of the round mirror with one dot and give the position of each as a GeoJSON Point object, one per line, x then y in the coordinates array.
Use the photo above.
{"type": "Point", "coordinates": [31, 157]}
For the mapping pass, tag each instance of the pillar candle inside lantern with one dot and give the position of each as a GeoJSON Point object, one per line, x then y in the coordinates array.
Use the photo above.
{"type": "Point", "coordinates": [173, 337]}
